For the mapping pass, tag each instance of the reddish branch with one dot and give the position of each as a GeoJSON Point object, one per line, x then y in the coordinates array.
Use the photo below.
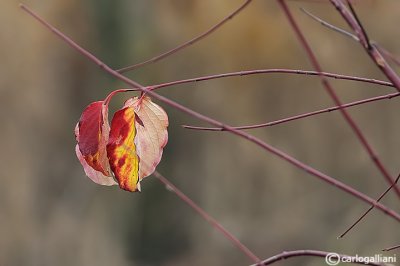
{"type": "Point", "coordinates": [383, 51]}
{"type": "Point", "coordinates": [273, 71]}
{"type": "Point", "coordinates": [313, 253]}
{"type": "Point", "coordinates": [251, 138]}
{"type": "Point", "coordinates": [371, 152]}
{"type": "Point", "coordinates": [370, 208]}
{"type": "Point", "coordinates": [351, 18]}
{"type": "Point", "coordinates": [188, 43]}
{"type": "Point", "coordinates": [300, 116]}
{"type": "Point", "coordinates": [373, 51]}
{"type": "Point", "coordinates": [207, 217]}
{"type": "Point", "coordinates": [386, 54]}
{"type": "Point", "coordinates": [395, 59]}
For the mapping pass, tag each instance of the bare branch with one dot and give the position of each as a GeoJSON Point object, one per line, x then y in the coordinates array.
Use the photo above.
{"type": "Point", "coordinates": [188, 43]}
{"type": "Point", "coordinates": [370, 208]}
{"type": "Point", "coordinates": [300, 116]}
{"type": "Point", "coordinates": [330, 90]}
{"type": "Point", "coordinates": [334, 257]}
{"type": "Point", "coordinates": [391, 248]}
{"type": "Point", "coordinates": [330, 26]}
{"type": "Point", "coordinates": [354, 23]}
{"type": "Point", "coordinates": [207, 217]}
{"type": "Point", "coordinates": [272, 71]}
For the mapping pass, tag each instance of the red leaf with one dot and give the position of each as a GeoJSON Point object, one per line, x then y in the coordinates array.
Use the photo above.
{"type": "Point", "coordinates": [94, 175]}
{"type": "Point", "coordinates": [92, 135]}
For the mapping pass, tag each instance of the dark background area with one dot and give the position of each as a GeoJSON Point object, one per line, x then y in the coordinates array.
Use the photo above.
{"type": "Point", "coordinates": [51, 214]}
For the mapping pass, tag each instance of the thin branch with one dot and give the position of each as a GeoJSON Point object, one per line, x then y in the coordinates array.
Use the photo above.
{"type": "Point", "coordinates": [328, 179]}
{"type": "Point", "coordinates": [272, 71]}
{"type": "Point", "coordinates": [188, 43]}
{"type": "Point", "coordinates": [330, 258]}
{"type": "Point", "coordinates": [386, 54]}
{"type": "Point", "coordinates": [371, 49]}
{"type": "Point", "coordinates": [324, 23]}
{"type": "Point", "coordinates": [330, 26]}
{"type": "Point", "coordinates": [207, 217]}
{"type": "Point", "coordinates": [362, 32]}
{"type": "Point", "coordinates": [391, 248]}
{"type": "Point", "coordinates": [328, 87]}
{"type": "Point", "coordinates": [300, 116]}
{"type": "Point", "coordinates": [370, 208]}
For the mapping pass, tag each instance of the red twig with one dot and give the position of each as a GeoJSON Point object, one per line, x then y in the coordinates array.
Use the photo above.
{"type": "Point", "coordinates": [251, 138]}
{"type": "Point", "coordinates": [188, 43]}
{"type": "Point", "coordinates": [300, 116]}
{"type": "Point", "coordinates": [370, 208]}
{"type": "Point", "coordinates": [388, 55]}
{"type": "Point", "coordinates": [273, 71]}
{"type": "Point", "coordinates": [207, 217]}
{"type": "Point", "coordinates": [372, 154]}
{"type": "Point", "coordinates": [370, 48]}
{"type": "Point", "coordinates": [331, 258]}
{"type": "Point", "coordinates": [383, 51]}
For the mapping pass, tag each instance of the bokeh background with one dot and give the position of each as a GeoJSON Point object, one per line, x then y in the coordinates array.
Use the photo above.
{"type": "Point", "coordinates": [51, 214]}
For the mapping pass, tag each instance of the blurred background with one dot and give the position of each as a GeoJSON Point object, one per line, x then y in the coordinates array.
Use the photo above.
{"type": "Point", "coordinates": [52, 214]}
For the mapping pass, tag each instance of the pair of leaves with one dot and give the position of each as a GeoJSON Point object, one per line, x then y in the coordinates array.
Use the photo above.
{"type": "Point", "coordinates": [129, 150]}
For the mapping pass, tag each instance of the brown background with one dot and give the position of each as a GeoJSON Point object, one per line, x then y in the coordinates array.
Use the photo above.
{"type": "Point", "coordinates": [51, 214]}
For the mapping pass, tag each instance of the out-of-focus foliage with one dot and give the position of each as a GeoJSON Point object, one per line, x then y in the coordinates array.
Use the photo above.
{"type": "Point", "coordinates": [51, 214]}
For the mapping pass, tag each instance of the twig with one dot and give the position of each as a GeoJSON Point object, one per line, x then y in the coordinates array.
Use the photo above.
{"type": "Point", "coordinates": [370, 208]}
{"type": "Point", "coordinates": [300, 116]}
{"type": "Point", "coordinates": [330, 257]}
{"type": "Point", "coordinates": [188, 43]}
{"type": "Point", "coordinates": [363, 32]}
{"type": "Point", "coordinates": [272, 71]}
{"type": "Point", "coordinates": [391, 248]}
{"type": "Point", "coordinates": [385, 52]}
{"type": "Point", "coordinates": [324, 23]}
{"type": "Point", "coordinates": [354, 23]}
{"type": "Point", "coordinates": [330, 26]}
{"type": "Point", "coordinates": [207, 217]}
{"type": "Point", "coordinates": [371, 152]}
{"type": "Point", "coordinates": [251, 138]}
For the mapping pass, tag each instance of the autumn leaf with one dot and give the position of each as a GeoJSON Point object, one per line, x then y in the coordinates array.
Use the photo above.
{"type": "Point", "coordinates": [121, 149]}
{"type": "Point", "coordinates": [152, 134]}
{"type": "Point", "coordinates": [91, 133]}
{"type": "Point", "coordinates": [137, 138]}
{"type": "Point", "coordinates": [130, 150]}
